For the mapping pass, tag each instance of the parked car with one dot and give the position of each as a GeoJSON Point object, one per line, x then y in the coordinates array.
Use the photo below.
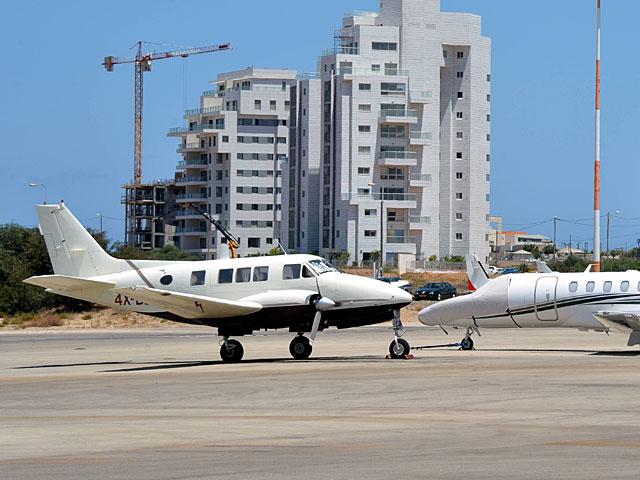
{"type": "Point", "coordinates": [396, 282]}
{"type": "Point", "coordinates": [509, 270]}
{"type": "Point", "coordinates": [494, 270]}
{"type": "Point", "coordinates": [435, 291]}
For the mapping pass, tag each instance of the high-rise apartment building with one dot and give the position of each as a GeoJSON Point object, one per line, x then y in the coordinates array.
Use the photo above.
{"type": "Point", "coordinates": [389, 140]}
{"type": "Point", "coordinates": [233, 151]}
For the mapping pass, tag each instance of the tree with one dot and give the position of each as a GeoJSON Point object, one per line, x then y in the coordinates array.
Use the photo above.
{"type": "Point", "coordinates": [532, 249]}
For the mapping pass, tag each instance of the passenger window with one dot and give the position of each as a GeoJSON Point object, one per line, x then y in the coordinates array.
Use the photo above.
{"type": "Point", "coordinates": [243, 275]}
{"type": "Point", "coordinates": [225, 275]}
{"type": "Point", "coordinates": [573, 287]}
{"type": "Point", "coordinates": [197, 277]}
{"type": "Point", "coordinates": [591, 286]}
{"type": "Point", "coordinates": [624, 286]}
{"type": "Point", "coordinates": [607, 286]}
{"type": "Point", "coordinates": [291, 272]}
{"type": "Point", "coordinates": [260, 274]}
{"type": "Point", "coordinates": [306, 272]}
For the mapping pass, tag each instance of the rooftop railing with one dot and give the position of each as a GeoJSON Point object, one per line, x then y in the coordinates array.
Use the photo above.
{"type": "Point", "coordinates": [360, 13]}
{"type": "Point", "coordinates": [340, 51]}
{"type": "Point", "coordinates": [308, 76]}
{"type": "Point", "coordinates": [200, 111]}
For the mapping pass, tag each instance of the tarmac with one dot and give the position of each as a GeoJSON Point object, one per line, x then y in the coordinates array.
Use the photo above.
{"type": "Point", "coordinates": [158, 404]}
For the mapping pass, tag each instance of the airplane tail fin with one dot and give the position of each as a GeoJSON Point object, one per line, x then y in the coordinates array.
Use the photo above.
{"type": "Point", "coordinates": [72, 250]}
{"type": "Point", "coordinates": [476, 273]}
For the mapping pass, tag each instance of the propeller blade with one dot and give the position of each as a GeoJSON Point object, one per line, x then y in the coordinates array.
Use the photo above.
{"type": "Point", "coordinates": [314, 327]}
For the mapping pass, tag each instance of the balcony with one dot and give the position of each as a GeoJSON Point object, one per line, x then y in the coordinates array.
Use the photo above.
{"type": "Point", "coordinates": [249, 88]}
{"type": "Point", "coordinates": [395, 239]}
{"type": "Point", "coordinates": [190, 147]}
{"type": "Point", "coordinates": [420, 96]}
{"type": "Point", "coordinates": [420, 180]}
{"type": "Point", "coordinates": [192, 163]}
{"type": "Point", "coordinates": [179, 131]}
{"type": "Point", "coordinates": [212, 93]}
{"type": "Point", "coordinates": [340, 51]}
{"type": "Point", "coordinates": [400, 115]}
{"type": "Point", "coordinates": [418, 222]}
{"type": "Point", "coordinates": [192, 196]}
{"type": "Point", "coordinates": [420, 138]}
{"type": "Point", "coordinates": [391, 72]}
{"type": "Point", "coordinates": [396, 158]}
{"type": "Point", "coordinates": [360, 13]}
{"type": "Point", "coordinates": [192, 179]}
{"type": "Point", "coordinates": [203, 111]}
{"type": "Point", "coordinates": [196, 230]}
{"type": "Point", "coordinates": [188, 212]}
{"type": "Point", "coordinates": [308, 76]}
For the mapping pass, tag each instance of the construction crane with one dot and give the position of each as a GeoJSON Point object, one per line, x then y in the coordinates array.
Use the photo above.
{"type": "Point", "coordinates": [143, 64]}
{"type": "Point", "coordinates": [232, 241]}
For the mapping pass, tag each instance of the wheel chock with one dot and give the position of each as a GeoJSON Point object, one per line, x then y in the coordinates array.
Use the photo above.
{"type": "Point", "coordinates": [405, 357]}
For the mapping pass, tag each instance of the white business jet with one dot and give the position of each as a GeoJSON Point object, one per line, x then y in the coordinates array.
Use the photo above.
{"type": "Point", "coordinates": [607, 301]}
{"type": "Point", "coordinates": [303, 293]}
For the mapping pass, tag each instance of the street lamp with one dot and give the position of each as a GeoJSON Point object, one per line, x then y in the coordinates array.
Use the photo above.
{"type": "Point", "coordinates": [608, 215]}
{"type": "Point", "coordinates": [43, 186]}
{"type": "Point", "coordinates": [381, 228]}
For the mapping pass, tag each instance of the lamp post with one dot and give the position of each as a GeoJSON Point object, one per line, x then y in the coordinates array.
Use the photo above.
{"type": "Point", "coordinates": [608, 215]}
{"type": "Point", "coordinates": [43, 186]}
{"type": "Point", "coordinates": [381, 228]}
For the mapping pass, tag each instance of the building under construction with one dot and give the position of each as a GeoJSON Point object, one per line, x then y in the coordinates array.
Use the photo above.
{"type": "Point", "coordinates": [149, 214]}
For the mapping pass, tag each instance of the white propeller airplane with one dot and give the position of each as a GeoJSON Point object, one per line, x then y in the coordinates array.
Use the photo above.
{"type": "Point", "coordinates": [607, 301]}
{"type": "Point", "coordinates": [303, 293]}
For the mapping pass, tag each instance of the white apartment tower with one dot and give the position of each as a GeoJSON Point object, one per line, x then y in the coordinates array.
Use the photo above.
{"type": "Point", "coordinates": [233, 149]}
{"type": "Point", "coordinates": [389, 140]}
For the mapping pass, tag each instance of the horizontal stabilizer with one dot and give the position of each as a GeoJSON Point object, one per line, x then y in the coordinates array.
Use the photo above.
{"type": "Point", "coordinates": [64, 283]}
{"type": "Point", "coordinates": [189, 306]}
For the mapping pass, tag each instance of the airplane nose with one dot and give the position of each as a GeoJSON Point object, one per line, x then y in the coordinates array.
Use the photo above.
{"type": "Point", "coordinates": [404, 296]}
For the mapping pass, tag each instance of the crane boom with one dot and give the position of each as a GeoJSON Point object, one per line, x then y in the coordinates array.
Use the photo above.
{"type": "Point", "coordinates": [232, 241]}
{"type": "Point", "coordinates": [143, 64]}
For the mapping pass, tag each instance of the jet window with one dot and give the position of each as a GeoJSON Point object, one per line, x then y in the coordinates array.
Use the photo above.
{"type": "Point", "coordinates": [197, 277]}
{"type": "Point", "coordinates": [591, 286]}
{"type": "Point", "coordinates": [607, 286]}
{"type": "Point", "coordinates": [573, 287]}
{"type": "Point", "coordinates": [225, 275]}
{"type": "Point", "coordinates": [624, 286]}
{"type": "Point", "coordinates": [260, 274]}
{"type": "Point", "coordinates": [291, 272]}
{"type": "Point", "coordinates": [243, 275]}
{"type": "Point", "coordinates": [166, 280]}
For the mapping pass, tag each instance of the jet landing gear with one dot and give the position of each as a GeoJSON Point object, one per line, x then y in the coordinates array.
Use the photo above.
{"type": "Point", "coordinates": [300, 347]}
{"type": "Point", "coordinates": [399, 348]}
{"type": "Point", "coordinates": [467, 342]}
{"type": "Point", "coordinates": [231, 351]}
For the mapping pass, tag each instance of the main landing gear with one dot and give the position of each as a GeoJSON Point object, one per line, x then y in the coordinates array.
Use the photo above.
{"type": "Point", "coordinates": [231, 351]}
{"type": "Point", "coordinates": [399, 348]}
{"type": "Point", "coordinates": [300, 347]}
{"type": "Point", "coordinates": [467, 342]}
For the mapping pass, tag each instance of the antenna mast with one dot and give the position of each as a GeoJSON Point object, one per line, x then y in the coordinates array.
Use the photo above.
{"type": "Point", "coordinates": [596, 206]}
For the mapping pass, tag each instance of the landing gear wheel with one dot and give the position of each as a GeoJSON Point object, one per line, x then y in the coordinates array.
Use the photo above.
{"type": "Point", "coordinates": [400, 350]}
{"type": "Point", "coordinates": [466, 343]}
{"type": "Point", "coordinates": [231, 352]}
{"type": "Point", "coordinates": [300, 348]}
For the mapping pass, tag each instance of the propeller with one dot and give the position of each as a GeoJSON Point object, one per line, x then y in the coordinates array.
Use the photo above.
{"type": "Point", "coordinates": [322, 304]}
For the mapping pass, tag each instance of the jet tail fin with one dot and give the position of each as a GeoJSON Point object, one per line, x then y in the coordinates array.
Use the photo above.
{"type": "Point", "coordinates": [476, 273]}
{"type": "Point", "coordinates": [543, 267]}
{"type": "Point", "coordinates": [72, 250]}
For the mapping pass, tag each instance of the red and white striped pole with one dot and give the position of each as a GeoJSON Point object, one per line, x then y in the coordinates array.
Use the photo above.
{"type": "Point", "coordinates": [596, 205]}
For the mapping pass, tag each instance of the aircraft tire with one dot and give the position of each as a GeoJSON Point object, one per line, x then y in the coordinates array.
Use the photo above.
{"type": "Point", "coordinates": [466, 343]}
{"type": "Point", "coordinates": [403, 350]}
{"type": "Point", "coordinates": [232, 352]}
{"type": "Point", "coordinates": [300, 348]}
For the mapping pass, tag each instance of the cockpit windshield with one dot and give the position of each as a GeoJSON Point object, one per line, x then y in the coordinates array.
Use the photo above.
{"type": "Point", "coordinates": [321, 266]}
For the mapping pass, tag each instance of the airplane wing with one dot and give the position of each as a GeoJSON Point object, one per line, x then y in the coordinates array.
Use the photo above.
{"type": "Point", "coordinates": [64, 283]}
{"type": "Point", "coordinates": [622, 322]}
{"type": "Point", "coordinates": [190, 306]}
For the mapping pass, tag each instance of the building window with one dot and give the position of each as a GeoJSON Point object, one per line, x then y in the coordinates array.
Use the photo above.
{"type": "Point", "coordinates": [488, 137]}
{"type": "Point", "coordinates": [488, 77]}
{"type": "Point", "coordinates": [460, 95]}
{"type": "Point", "coordinates": [387, 88]}
{"type": "Point", "coordinates": [488, 117]}
{"type": "Point", "coordinates": [444, 53]}
{"type": "Point", "coordinates": [459, 155]}
{"type": "Point", "coordinates": [458, 216]}
{"type": "Point", "coordinates": [459, 74]}
{"type": "Point", "coordinates": [458, 175]}
{"type": "Point", "coordinates": [364, 149]}
{"type": "Point", "coordinates": [287, 105]}
{"type": "Point", "coordinates": [364, 170]}
{"type": "Point", "coordinates": [487, 197]}
{"type": "Point", "coordinates": [364, 107]}
{"type": "Point", "coordinates": [458, 236]}
{"type": "Point", "coordinates": [459, 196]}
{"type": "Point", "coordinates": [364, 192]}
{"type": "Point", "coordinates": [375, 68]}
{"type": "Point", "coordinates": [459, 135]}
{"type": "Point", "coordinates": [364, 128]}
{"type": "Point", "coordinates": [254, 243]}
{"type": "Point", "coordinates": [272, 104]}
{"type": "Point", "coordinates": [225, 138]}
{"type": "Point", "coordinates": [370, 233]}
{"type": "Point", "coordinates": [460, 54]}
{"type": "Point", "coordinates": [384, 46]}
{"type": "Point", "coordinates": [364, 86]}
{"type": "Point", "coordinates": [370, 212]}
{"type": "Point", "coordinates": [488, 157]}
{"type": "Point", "coordinates": [459, 115]}
{"type": "Point", "coordinates": [337, 233]}
{"type": "Point", "coordinates": [488, 97]}
{"type": "Point", "coordinates": [258, 105]}
{"type": "Point", "coordinates": [487, 177]}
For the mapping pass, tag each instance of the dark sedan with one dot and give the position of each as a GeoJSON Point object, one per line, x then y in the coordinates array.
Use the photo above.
{"type": "Point", "coordinates": [435, 291]}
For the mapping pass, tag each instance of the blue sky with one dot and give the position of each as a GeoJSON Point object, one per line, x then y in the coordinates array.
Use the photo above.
{"type": "Point", "coordinates": [68, 123]}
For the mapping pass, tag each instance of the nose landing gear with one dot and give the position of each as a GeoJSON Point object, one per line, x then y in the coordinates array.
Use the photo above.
{"type": "Point", "coordinates": [399, 347]}
{"type": "Point", "coordinates": [467, 342]}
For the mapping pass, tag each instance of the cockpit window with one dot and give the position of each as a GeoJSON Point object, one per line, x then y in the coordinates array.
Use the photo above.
{"type": "Point", "coordinates": [291, 272]}
{"type": "Point", "coordinates": [321, 266]}
{"type": "Point", "coordinates": [306, 272]}
{"type": "Point", "coordinates": [197, 277]}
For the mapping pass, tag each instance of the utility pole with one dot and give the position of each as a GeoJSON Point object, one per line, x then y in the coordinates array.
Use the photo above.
{"type": "Point", "coordinates": [555, 223]}
{"type": "Point", "coordinates": [608, 215]}
{"type": "Point", "coordinates": [596, 190]}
